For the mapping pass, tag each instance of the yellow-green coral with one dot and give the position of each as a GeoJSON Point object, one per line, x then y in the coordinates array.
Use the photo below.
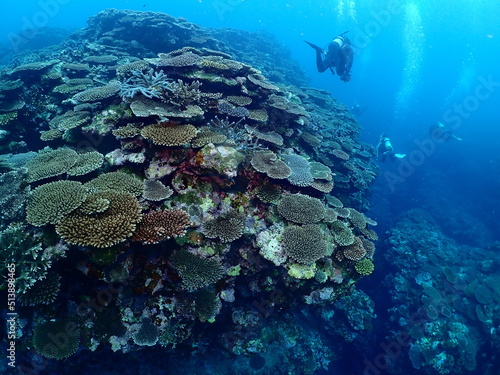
{"type": "Point", "coordinates": [302, 271]}
{"type": "Point", "coordinates": [364, 267]}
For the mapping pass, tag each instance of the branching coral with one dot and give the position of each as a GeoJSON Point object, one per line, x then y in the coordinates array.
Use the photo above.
{"type": "Point", "coordinates": [150, 84]}
{"type": "Point", "coordinates": [43, 292]}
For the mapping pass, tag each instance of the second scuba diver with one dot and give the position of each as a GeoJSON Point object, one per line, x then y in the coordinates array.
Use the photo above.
{"type": "Point", "coordinates": [439, 133]}
{"type": "Point", "coordinates": [385, 149]}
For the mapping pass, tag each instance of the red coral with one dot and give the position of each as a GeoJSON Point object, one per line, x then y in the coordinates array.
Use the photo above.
{"type": "Point", "coordinates": [157, 226]}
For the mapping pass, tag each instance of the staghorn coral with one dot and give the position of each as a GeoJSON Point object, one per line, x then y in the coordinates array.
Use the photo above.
{"type": "Point", "coordinates": [117, 181]}
{"type": "Point", "coordinates": [157, 226]}
{"type": "Point", "coordinates": [155, 191]}
{"type": "Point", "coordinates": [42, 292]}
{"type": "Point", "coordinates": [196, 272]}
{"type": "Point", "coordinates": [304, 244]}
{"type": "Point", "coordinates": [50, 163]}
{"type": "Point", "coordinates": [48, 203]}
{"type": "Point", "coordinates": [20, 246]}
{"type": "Point", "coordinates": [87, 162]}
{"type": "Point", "coordinates": [227, 227]}
{"type": "Point", "coordinates": [13, 194]}
{"type": "Point", "coordinates": [104, 229]}
{"type": "Point", "coordinates": [169, 134]}
{"type": "Point", "coordinates": [45, 334]}
{"type": "Point", "coordinates": [301, 209]}
{"type": "Point", "coordinates": [150, 84]}
{"type": "Point", "coordinates": [183, 94]}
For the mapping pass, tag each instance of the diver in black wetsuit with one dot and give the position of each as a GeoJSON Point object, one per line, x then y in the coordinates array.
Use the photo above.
{"type": "Point", "coordinates": [338, 57]}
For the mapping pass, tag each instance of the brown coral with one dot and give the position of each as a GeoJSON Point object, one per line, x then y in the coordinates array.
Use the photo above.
{"type": "Point", "coordinates": [105, 229]}
{"type": "Point", "coordinates": [160, 225]}
{"type": "Point", "coordinates": [355, 251]}
{"type": "Point", "coordinates": [169, 134]}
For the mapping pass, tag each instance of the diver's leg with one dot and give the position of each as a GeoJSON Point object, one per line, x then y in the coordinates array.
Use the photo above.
{"type": "Point", "coordinates": [319, 57]}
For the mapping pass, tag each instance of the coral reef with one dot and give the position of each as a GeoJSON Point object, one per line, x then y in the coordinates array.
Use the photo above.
{"type": "Point", "coordinates": [456, 305]}
{"type": "Point", "coordinates": [193, 186]}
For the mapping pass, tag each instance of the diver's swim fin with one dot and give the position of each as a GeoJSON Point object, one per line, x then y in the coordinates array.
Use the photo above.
{"type": "Point", "coordinates": [319, 49]}
{"type": "Point", "coordinates": [400, 156]}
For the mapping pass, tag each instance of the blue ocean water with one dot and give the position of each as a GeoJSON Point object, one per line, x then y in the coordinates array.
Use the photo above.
{"type": "Point", "coordinates": [417, 62]}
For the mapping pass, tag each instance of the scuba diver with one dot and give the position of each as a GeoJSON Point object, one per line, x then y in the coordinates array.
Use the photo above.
{"type": "Point", "coordinates": [357, 109]}
{"type": "Point", "coordinates": [337, 56]}
{"type": "Point", "coordinates": [384, 149]}
{"type": "Point", "coordinates": [439, 133]}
